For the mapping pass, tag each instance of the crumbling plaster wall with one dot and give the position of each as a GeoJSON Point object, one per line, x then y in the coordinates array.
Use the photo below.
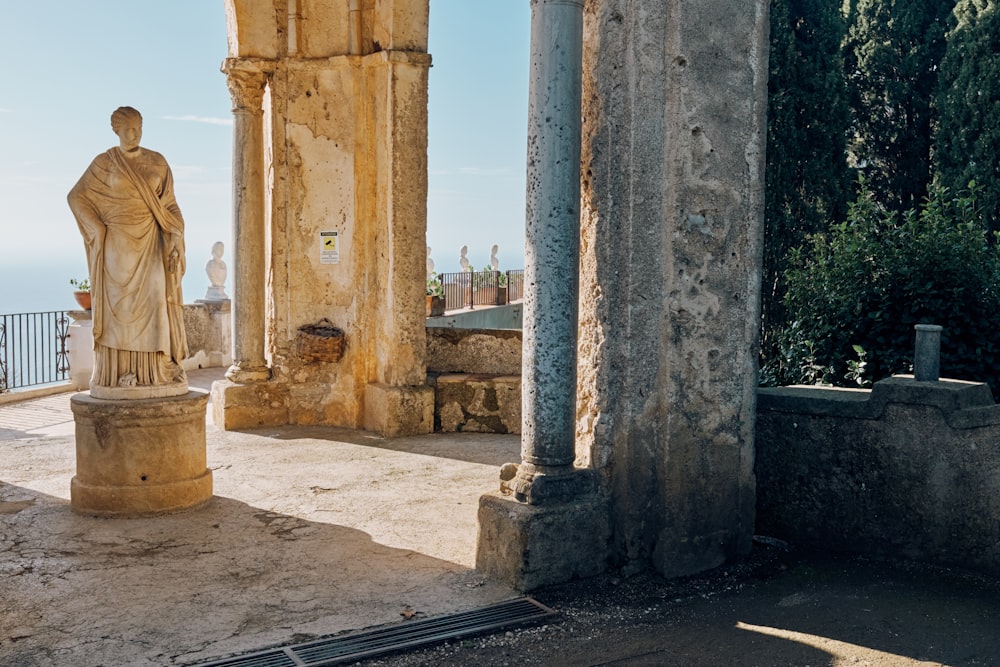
{"type": "Point", "coordinates": [673, 104]}
{"type": "Point", "coordinates": [312, 190]}
{"type": "Point", "coordinates": [346, 133]}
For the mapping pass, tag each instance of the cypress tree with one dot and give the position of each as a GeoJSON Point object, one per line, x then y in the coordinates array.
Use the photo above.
{"type": "Point", "coordinates": [968, 140]}
{"type": "Point", "coordinates": [807, 178]}
{"type": "Point", "coordinates": [893, 51]}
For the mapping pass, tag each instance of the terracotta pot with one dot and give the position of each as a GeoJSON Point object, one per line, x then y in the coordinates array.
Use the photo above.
{"type": "Point", "coordinates": [82, 298]}
{"type": "Point", "coordinates": [435, 306]}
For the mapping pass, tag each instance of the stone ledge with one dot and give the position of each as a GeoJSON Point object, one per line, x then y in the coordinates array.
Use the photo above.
{"type": "Point", "coordinates": [962, 404]}
{"type": "Point", "coordinates": [239, 406]}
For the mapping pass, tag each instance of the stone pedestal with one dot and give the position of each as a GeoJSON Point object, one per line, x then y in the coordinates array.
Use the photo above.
{"type": "Point", "coordinates": [530, 546]}
{"type": "Point", "coordinates": [140, 457]}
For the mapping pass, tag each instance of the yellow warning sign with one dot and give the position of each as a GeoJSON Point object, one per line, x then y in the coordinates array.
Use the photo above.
{"type": "Point", "coordinates": [329, 247]}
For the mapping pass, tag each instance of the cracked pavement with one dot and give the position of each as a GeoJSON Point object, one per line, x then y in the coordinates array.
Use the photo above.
{"type": "Point", "coordinates": [312, 531]}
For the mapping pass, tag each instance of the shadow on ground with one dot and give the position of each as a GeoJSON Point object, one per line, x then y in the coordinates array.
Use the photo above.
{"type": "Point", "coordinates": [306, 536]}
{"type": "Point", "coordinates": [777, 608]}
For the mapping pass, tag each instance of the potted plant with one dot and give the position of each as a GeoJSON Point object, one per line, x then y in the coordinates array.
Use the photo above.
{"type": "Point", "coordinates": [81, 292]}
{"type": "Point", "coordinates": [435, 296]}
{"type": "Point", "coordinates": [502, 288]}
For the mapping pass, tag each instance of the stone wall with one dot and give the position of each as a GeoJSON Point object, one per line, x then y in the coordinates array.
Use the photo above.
{"type": "Point", "coordinates": [208, 329]}
{"type": "Point", "coordinates": [494, 351]}
{"type": "Point", "coordinates": [674, 100]}
{"type": "Point", "coordinates": [477, 379]}
{"type": "Point", "coordinates": [907, 469]}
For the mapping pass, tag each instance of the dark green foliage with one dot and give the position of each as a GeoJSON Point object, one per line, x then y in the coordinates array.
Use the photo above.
{"type": "Point", "coordinates": [807, 178]}
{"type": "Point", "coordinates": [892, 54]}
{"type": "Point", "coordinates": [863, 285]}
{"type": "Point", "coordinates": [968, 141]}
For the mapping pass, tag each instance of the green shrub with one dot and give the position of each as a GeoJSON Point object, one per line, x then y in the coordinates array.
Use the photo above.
{"type": "Point", "coordinates": [855, 293]}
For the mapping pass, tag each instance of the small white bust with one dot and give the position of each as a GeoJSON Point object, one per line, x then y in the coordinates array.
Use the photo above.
{"type": "Point", "coordinates": [463, 261]}
{"type": "Point", "coordinates": [430, 264]}
{"type": "Point", "coordinates": [216, 270]}
{"type": "Point", "coordinates": [494, 262]}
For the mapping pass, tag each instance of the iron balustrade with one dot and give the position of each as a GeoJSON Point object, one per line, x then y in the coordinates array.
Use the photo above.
{"type": "Point", "coordinates": [33, 349]}
{"type": "Point", "coordinates": [468, 289]}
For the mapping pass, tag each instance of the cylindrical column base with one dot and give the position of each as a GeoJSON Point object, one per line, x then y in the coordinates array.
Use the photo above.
{"type": "Point", "coordinates": [927, 353]}
{"type": "Point", "coordinates": [140, 457]}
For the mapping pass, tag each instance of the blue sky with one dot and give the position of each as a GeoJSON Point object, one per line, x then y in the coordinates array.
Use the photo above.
{"type": "Point", "coordinates": [70, 63]}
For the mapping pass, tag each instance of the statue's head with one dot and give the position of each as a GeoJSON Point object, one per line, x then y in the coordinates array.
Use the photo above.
{"type": "Point", "coordinates": [217, 249]}
{"type": "Point", "coordinates": [127, 124]}
{"type": "Point", "coordinates": [123, 115]}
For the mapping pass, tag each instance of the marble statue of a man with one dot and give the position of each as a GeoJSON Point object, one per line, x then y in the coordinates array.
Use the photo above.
{"type": "Point", "coordinates": [134, 237]}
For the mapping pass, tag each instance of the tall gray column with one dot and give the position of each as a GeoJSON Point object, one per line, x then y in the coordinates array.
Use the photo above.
{"type": "Point", "coordinates": [552, 243]}
{"type": "Point", "coordinates": [246, 81]}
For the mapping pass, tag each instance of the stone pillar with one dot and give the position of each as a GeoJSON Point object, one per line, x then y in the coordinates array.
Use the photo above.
{"type": "Point", "coordinates": [246, 398]}
{"type": "Point", "coordinates": [246, 82]}
{"type": "Point", "coordinates": [555, 528]}
{"type": "Point", "coordinates": [552, 246]}
{"type": "Point", "coordinates": [675, 95]}
{"type": "Point", "coordinates": [926, 355]}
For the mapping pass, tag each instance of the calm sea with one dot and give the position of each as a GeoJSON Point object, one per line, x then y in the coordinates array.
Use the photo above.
{"type": "Point", "coordinates": [37, 287]}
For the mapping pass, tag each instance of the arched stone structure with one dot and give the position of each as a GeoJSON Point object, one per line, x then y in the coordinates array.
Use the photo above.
{"type": "Point", "coordinates": [330, 106]}
{"type": "Point", "coordinates": [659, 470]}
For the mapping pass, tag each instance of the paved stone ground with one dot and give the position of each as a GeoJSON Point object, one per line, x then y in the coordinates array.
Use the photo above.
{"type": "Point", "coordinates": [319, 531]}
{"type": "Point", "coordinates": [312, 531]}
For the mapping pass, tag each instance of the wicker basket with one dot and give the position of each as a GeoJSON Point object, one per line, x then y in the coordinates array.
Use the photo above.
{"type": "Point", "coordinates": [320, 342]}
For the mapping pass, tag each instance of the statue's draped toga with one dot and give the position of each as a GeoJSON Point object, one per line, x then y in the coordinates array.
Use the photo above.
{"type": "Point", "coordinates": [133, 233]}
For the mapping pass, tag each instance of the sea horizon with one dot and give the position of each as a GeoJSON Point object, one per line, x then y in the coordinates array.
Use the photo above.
{"type": "Point", "coordinates": [33, 287]}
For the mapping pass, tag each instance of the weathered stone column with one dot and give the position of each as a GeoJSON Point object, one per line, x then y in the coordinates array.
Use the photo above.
{"type": "Point", "coordinates": [675, 95]}
{"type": "Point", "coordinates": [549, 523]}
{"type": "Point", "coordinates": [246, 81]}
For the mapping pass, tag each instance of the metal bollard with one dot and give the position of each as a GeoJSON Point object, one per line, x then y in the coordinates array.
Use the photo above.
{"type": "Point", "coordinates": [927, 353]}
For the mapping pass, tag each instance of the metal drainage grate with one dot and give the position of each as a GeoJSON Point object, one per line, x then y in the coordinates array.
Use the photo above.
{"type": "Point", "coordinates": [345, 648]}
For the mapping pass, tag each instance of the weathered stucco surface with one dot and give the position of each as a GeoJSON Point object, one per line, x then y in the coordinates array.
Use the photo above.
{"type": "Point", "coordinates": [674, 100]}
{"type": "Point", "coordinates": [345, 122]}
{"type": "Point", "coordinates": [907, 469]}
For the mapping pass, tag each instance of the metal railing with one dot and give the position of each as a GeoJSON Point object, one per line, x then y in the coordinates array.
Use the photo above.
{"type": "Point", "coordinates": [481, 288]}
{"type": "Point", "coordinates": [33, 349]}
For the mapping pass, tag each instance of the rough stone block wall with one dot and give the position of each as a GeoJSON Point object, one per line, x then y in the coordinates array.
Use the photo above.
{"type": "Point", "coordinates": [910, 469]}
{"type": "Point", "coordinates": [477, 403]}
{"type": "Point", "coordinates": [673, 104]}
{"type": "Point", "coordinates": [477, 378]}
{"type": "Point", "coordinates": [209, 340]}
{"type": "Point", "coordinates": [493, 351]}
